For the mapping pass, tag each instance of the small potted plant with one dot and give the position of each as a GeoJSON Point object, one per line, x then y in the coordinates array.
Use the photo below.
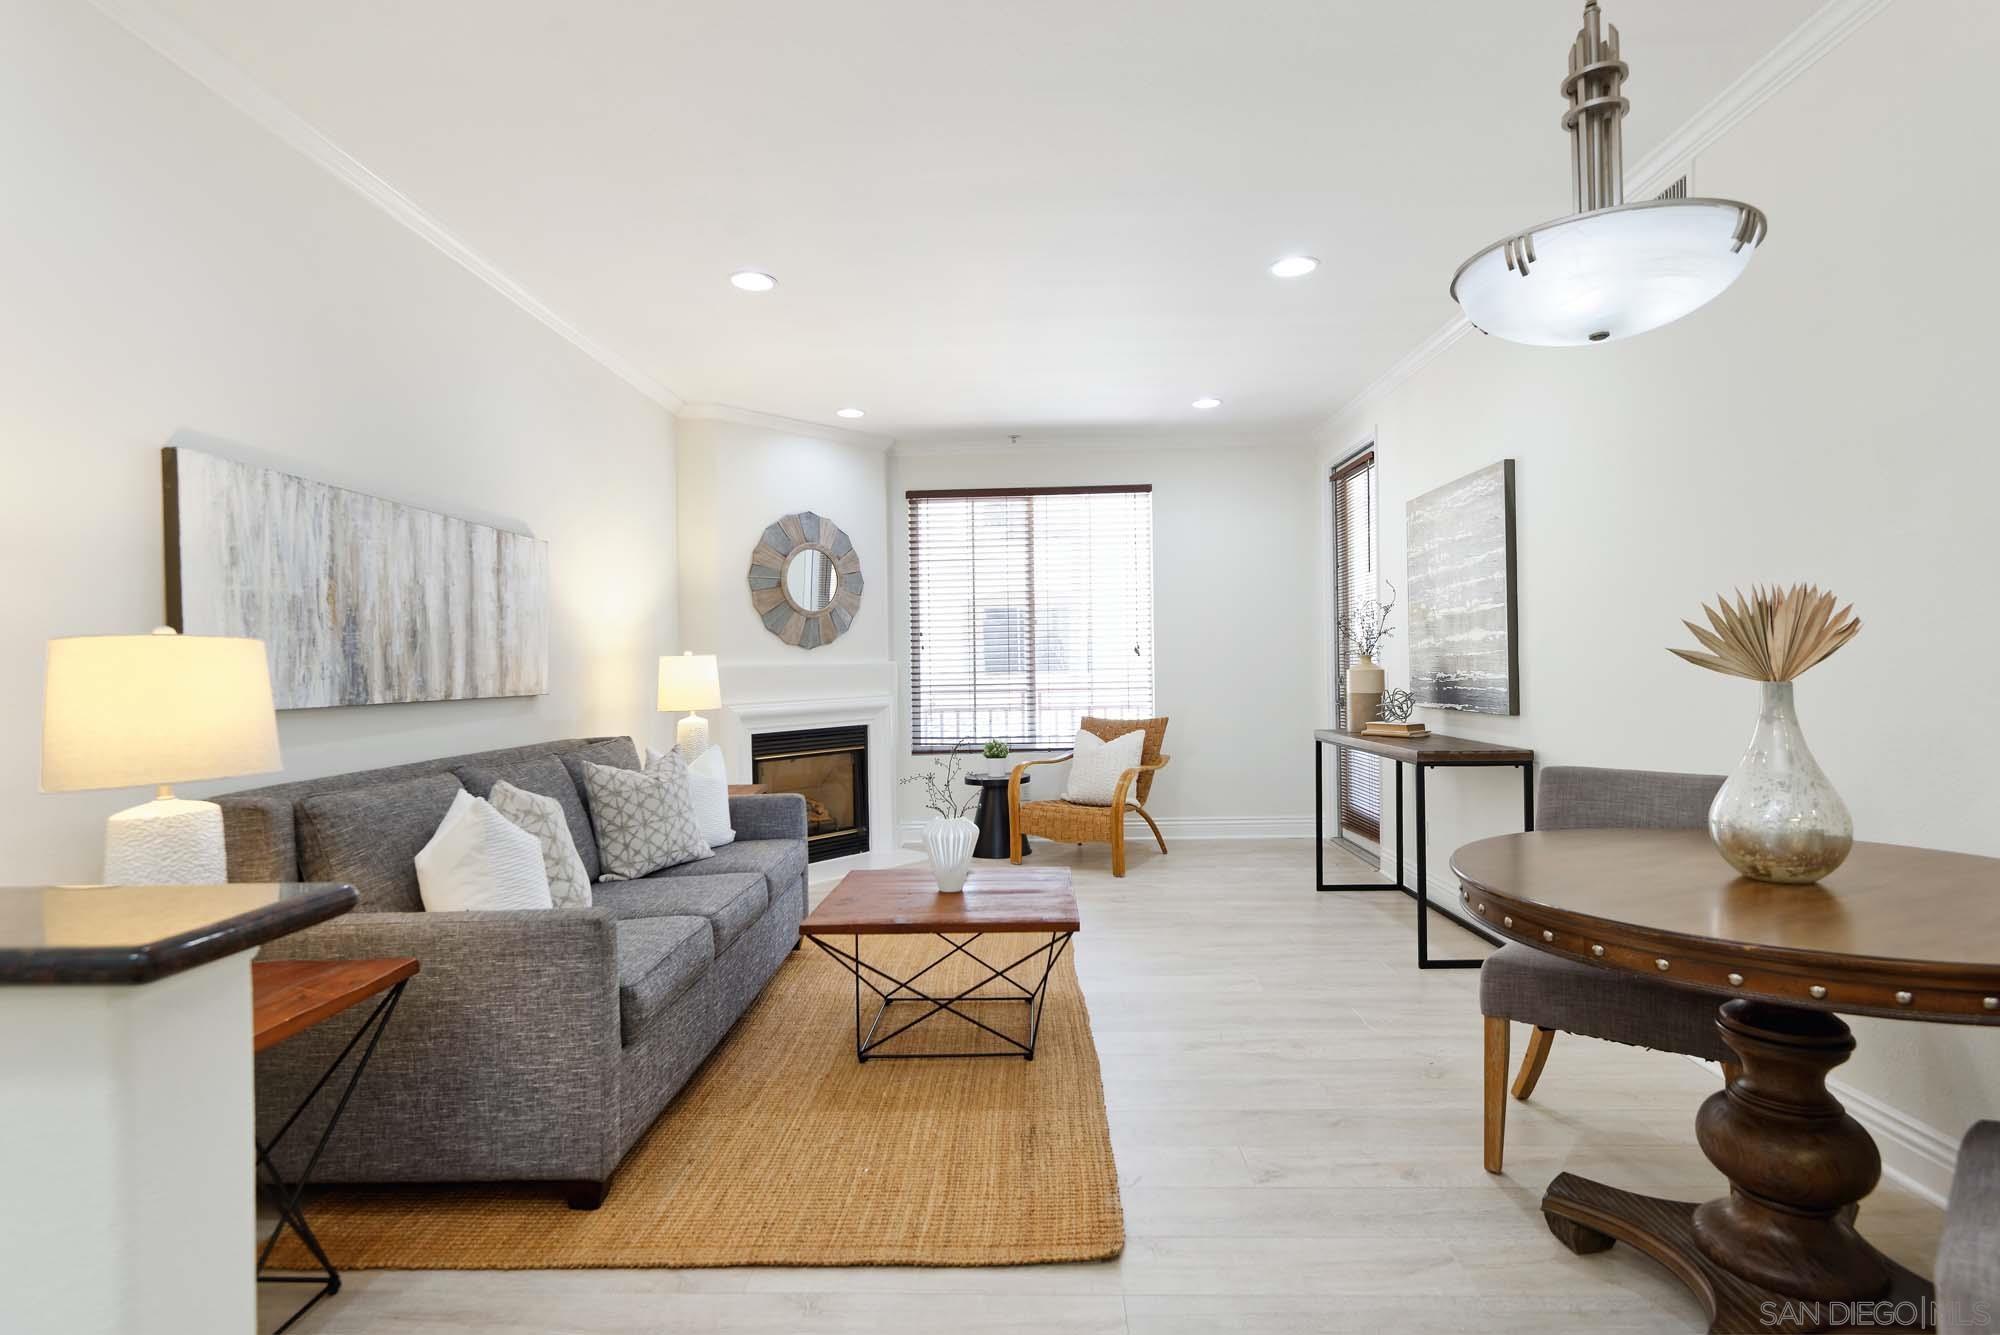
{"type": "Point", "coordinates": [996, 753]}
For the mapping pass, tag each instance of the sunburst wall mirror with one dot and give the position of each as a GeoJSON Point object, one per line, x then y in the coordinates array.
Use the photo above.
{"type": "Point", "coordinates": [805, 580]}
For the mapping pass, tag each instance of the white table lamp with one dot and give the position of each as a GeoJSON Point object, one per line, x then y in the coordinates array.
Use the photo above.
{"type": "Point", "coordinates": [690, 682]}
{"type": "Point", "coordinates": [119, 711]}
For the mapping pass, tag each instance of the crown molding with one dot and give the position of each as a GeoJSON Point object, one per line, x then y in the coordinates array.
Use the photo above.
{"type": "Point", "coordinates": [1803, 48]}
{"type": "Point", "coordinates": [724, 412]}
{"type": "Point", "coordinates": [223, 78]}
{"type": "Point", "coordinates": [1136, 439]}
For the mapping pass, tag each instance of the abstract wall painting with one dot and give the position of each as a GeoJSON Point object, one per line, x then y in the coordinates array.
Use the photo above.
{"type": "Point", "coordinates": [360, 600]}
{"type": "Point", "coordinates": [1460, 551]}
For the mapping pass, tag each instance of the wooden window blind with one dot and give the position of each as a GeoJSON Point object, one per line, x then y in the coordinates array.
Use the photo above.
{"type": "Point", "coordinates": [1354, 582]}
{"type": "Point", "coordinates": [1028, 610]}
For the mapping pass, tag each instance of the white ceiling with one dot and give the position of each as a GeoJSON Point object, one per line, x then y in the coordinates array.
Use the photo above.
{"type": "Point", "coordinates": [1026, 215]}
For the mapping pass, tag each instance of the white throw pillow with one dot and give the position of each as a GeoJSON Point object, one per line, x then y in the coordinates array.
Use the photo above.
{"type": "Point", "coordinates": [569, 883]}
{"type": "Point", "coordinates": [478, 859]}
{"type": "Point", "coordinates": [1094, 769]}
{"type": "Point", "coordinates": [708, 784]}
{"type": "Point", "coordinates": [644, 818]}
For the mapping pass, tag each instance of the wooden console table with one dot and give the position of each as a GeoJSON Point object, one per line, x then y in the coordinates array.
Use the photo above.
{"type": "Point", "coordinates": [1419, 753]}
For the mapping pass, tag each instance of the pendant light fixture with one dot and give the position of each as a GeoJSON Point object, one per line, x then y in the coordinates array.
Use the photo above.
{"type": "Point", "coordinates": [1610, 269]}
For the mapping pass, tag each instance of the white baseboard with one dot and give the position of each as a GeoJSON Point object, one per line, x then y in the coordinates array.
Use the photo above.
{"type": "Point", "coordinates": [911, 833]}
{"type": "Point", "coordinates": [1915, 1156]}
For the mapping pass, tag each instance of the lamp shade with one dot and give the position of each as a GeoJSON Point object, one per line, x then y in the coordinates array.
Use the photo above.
{"type": "Point", "coordinates": [689, 681]}
{"type": "Point", "coordinates": [123, 710]}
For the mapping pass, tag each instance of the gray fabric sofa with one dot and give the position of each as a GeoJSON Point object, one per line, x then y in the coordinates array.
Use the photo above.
{"type": "Point", "coordinates": [532, 1045]}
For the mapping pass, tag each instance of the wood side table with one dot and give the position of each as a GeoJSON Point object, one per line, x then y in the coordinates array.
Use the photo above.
{"type": "Point", "coordinates": [1900, 933]}
{"type": "Point", "coordinates": [1419, 753]}
{"type": "Point", "coordinates": [289, 997]}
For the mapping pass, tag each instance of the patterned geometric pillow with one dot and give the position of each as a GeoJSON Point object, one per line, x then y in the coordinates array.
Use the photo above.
{"type": "Point", "coordinates": [543, 817]}
{"type": "Point", "coordinates": [644, 821]}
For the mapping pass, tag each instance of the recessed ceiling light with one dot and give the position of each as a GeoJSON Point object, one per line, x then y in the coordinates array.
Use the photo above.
{"type": "Point", "coordinates": [1208, 403]}
{"type": "Point", "coordinates": [850, 412]}
{"type": "Point", "coordinates": [1294, 266]}
{"type": "Point", "coordinates": [752, 281]}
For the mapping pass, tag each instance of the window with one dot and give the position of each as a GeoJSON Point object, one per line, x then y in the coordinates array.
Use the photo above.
{"type": "Point", "coordinates": [1028, 610]}
{"type": "Point", "coordinates": [1354, 582]}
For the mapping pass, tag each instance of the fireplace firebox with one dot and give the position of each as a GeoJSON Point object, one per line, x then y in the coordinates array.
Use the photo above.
{"type": "Point", "coordinates": [829, 768]}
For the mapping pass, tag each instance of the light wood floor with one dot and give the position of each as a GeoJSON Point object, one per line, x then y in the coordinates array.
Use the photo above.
{"type": "Point", "coordinates": [1295, 1110]}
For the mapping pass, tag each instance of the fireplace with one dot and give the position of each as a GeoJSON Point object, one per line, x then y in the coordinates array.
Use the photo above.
{"type": "Point", "coordinates": [829, 768]}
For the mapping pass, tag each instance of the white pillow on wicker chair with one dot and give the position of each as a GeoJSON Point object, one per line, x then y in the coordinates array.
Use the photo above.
{"type": "Point", "coordinates": [1096, 765]}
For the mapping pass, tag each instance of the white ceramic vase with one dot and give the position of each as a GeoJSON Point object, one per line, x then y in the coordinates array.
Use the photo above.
{"type": "Point", "coordinates": [1000, 766]}
{"type": "Point", "coordinates": [949, 843]}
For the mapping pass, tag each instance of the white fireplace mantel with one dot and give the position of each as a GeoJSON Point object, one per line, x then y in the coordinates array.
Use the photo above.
{"type": "Point", "coordinates": [871, 711]}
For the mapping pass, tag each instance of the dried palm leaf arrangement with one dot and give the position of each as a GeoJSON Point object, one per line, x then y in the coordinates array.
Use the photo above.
{"type": "Point", "coordinates": [1773, 635]}
{"type": "Point", "coordinates": [1776, 817]}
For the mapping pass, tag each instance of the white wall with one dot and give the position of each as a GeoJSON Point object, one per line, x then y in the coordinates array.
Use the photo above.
{"type": "Point", "coordinates": [1232, 537]}
{"type": "Point", "coordinates": [1830, 420]}
{"type": "Point", "coordinates": [174, 273]}
{"type": "Point", "coordinates": [738, 474]}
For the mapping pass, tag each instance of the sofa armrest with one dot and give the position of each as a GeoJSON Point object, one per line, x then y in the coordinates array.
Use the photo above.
{"type": "Point", "coordinates": [1968, 1255]}
{"type": "Point", "coordinates": [768, 816]}
{"type": "Point", "coordinates": [501, 1061]}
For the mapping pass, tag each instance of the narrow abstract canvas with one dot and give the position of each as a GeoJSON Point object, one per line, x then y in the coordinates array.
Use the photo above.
{"type": "Point", "coordinates": [1460, 549]}
{"type": "Point", "coordinates": [360, 600]}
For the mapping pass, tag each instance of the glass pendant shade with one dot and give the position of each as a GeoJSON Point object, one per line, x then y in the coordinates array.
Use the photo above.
{"type": "Point", "coordinates": [1610, 269]}
{"type": "Point", "coordinates": [1605, 275]}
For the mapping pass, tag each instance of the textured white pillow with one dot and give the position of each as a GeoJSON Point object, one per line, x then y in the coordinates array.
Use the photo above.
{"type": "Point", "coordinates": [478, 859]}
{"type": "Point", "coordinates": [1094, 769]}
{"type": "Point", "coordinates": [708, 785]}
{"type": "Point", "coordinates": [569, 883]}
{"type": "Point", "coordinates": [644, 818]}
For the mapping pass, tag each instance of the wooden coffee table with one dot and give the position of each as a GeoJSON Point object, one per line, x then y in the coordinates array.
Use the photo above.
{"type": "Point", "coordinates": [905, 901]}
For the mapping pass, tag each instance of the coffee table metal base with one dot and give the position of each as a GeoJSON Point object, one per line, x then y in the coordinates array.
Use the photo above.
{"type": "Point", "coordinates": [891, 991]}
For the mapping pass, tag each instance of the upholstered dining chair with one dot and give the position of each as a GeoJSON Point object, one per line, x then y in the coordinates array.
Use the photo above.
{"type": "Point", "coordinates": [1968, 1255]}
{"type": "Point", "coordinates": [1073, 823]}
{"type": "Point", "coordinates": [1527, 986]}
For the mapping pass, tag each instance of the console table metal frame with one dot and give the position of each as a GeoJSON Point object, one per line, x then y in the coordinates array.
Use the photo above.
{"type": "Point", "coordinates": [1420, 753]}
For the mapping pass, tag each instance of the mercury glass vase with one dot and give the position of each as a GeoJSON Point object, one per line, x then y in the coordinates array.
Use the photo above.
{"type": "Point", "coordinates": [1776, 817]}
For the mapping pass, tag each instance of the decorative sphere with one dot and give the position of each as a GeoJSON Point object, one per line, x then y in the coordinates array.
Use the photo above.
{"type": "Point", "coordinates": [1397, 706]}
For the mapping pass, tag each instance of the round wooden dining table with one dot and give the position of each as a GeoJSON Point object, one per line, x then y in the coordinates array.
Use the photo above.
{"type": "Point", "coordinates": [1903, 933]}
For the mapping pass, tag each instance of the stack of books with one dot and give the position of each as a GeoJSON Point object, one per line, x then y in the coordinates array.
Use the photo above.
{"type": "Point", "coordinates": [1378, 728]}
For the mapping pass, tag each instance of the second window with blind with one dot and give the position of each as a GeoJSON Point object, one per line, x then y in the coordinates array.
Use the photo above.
{"type": "Point", "coordinates": [1354, 583]}
{"type": "Point", "coordinates": [1029, 609]}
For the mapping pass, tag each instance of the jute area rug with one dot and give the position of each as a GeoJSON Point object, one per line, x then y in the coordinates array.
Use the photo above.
{"type": "Point", "coordinates": [783, 1150]}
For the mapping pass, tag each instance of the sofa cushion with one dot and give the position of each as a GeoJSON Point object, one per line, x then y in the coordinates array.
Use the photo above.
{"type": "Point", "coordinates": [729, 903]}
{"type": "Point", "coordinates": [643, 818]}
{"type": "Point", "coordinates": [779, 861]}
{"type": "Point", "coordinates": [658, 959]}
{"type": "Point", "coordinates": [618, 753]}
{"type": "Point", "coordinates": [369, 837]}
{"type": "Point", "coordinates": [545, 776]}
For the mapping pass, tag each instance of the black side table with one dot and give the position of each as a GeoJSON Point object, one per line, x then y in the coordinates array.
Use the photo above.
{"type": "Point", "coordinates": [996, 823]}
